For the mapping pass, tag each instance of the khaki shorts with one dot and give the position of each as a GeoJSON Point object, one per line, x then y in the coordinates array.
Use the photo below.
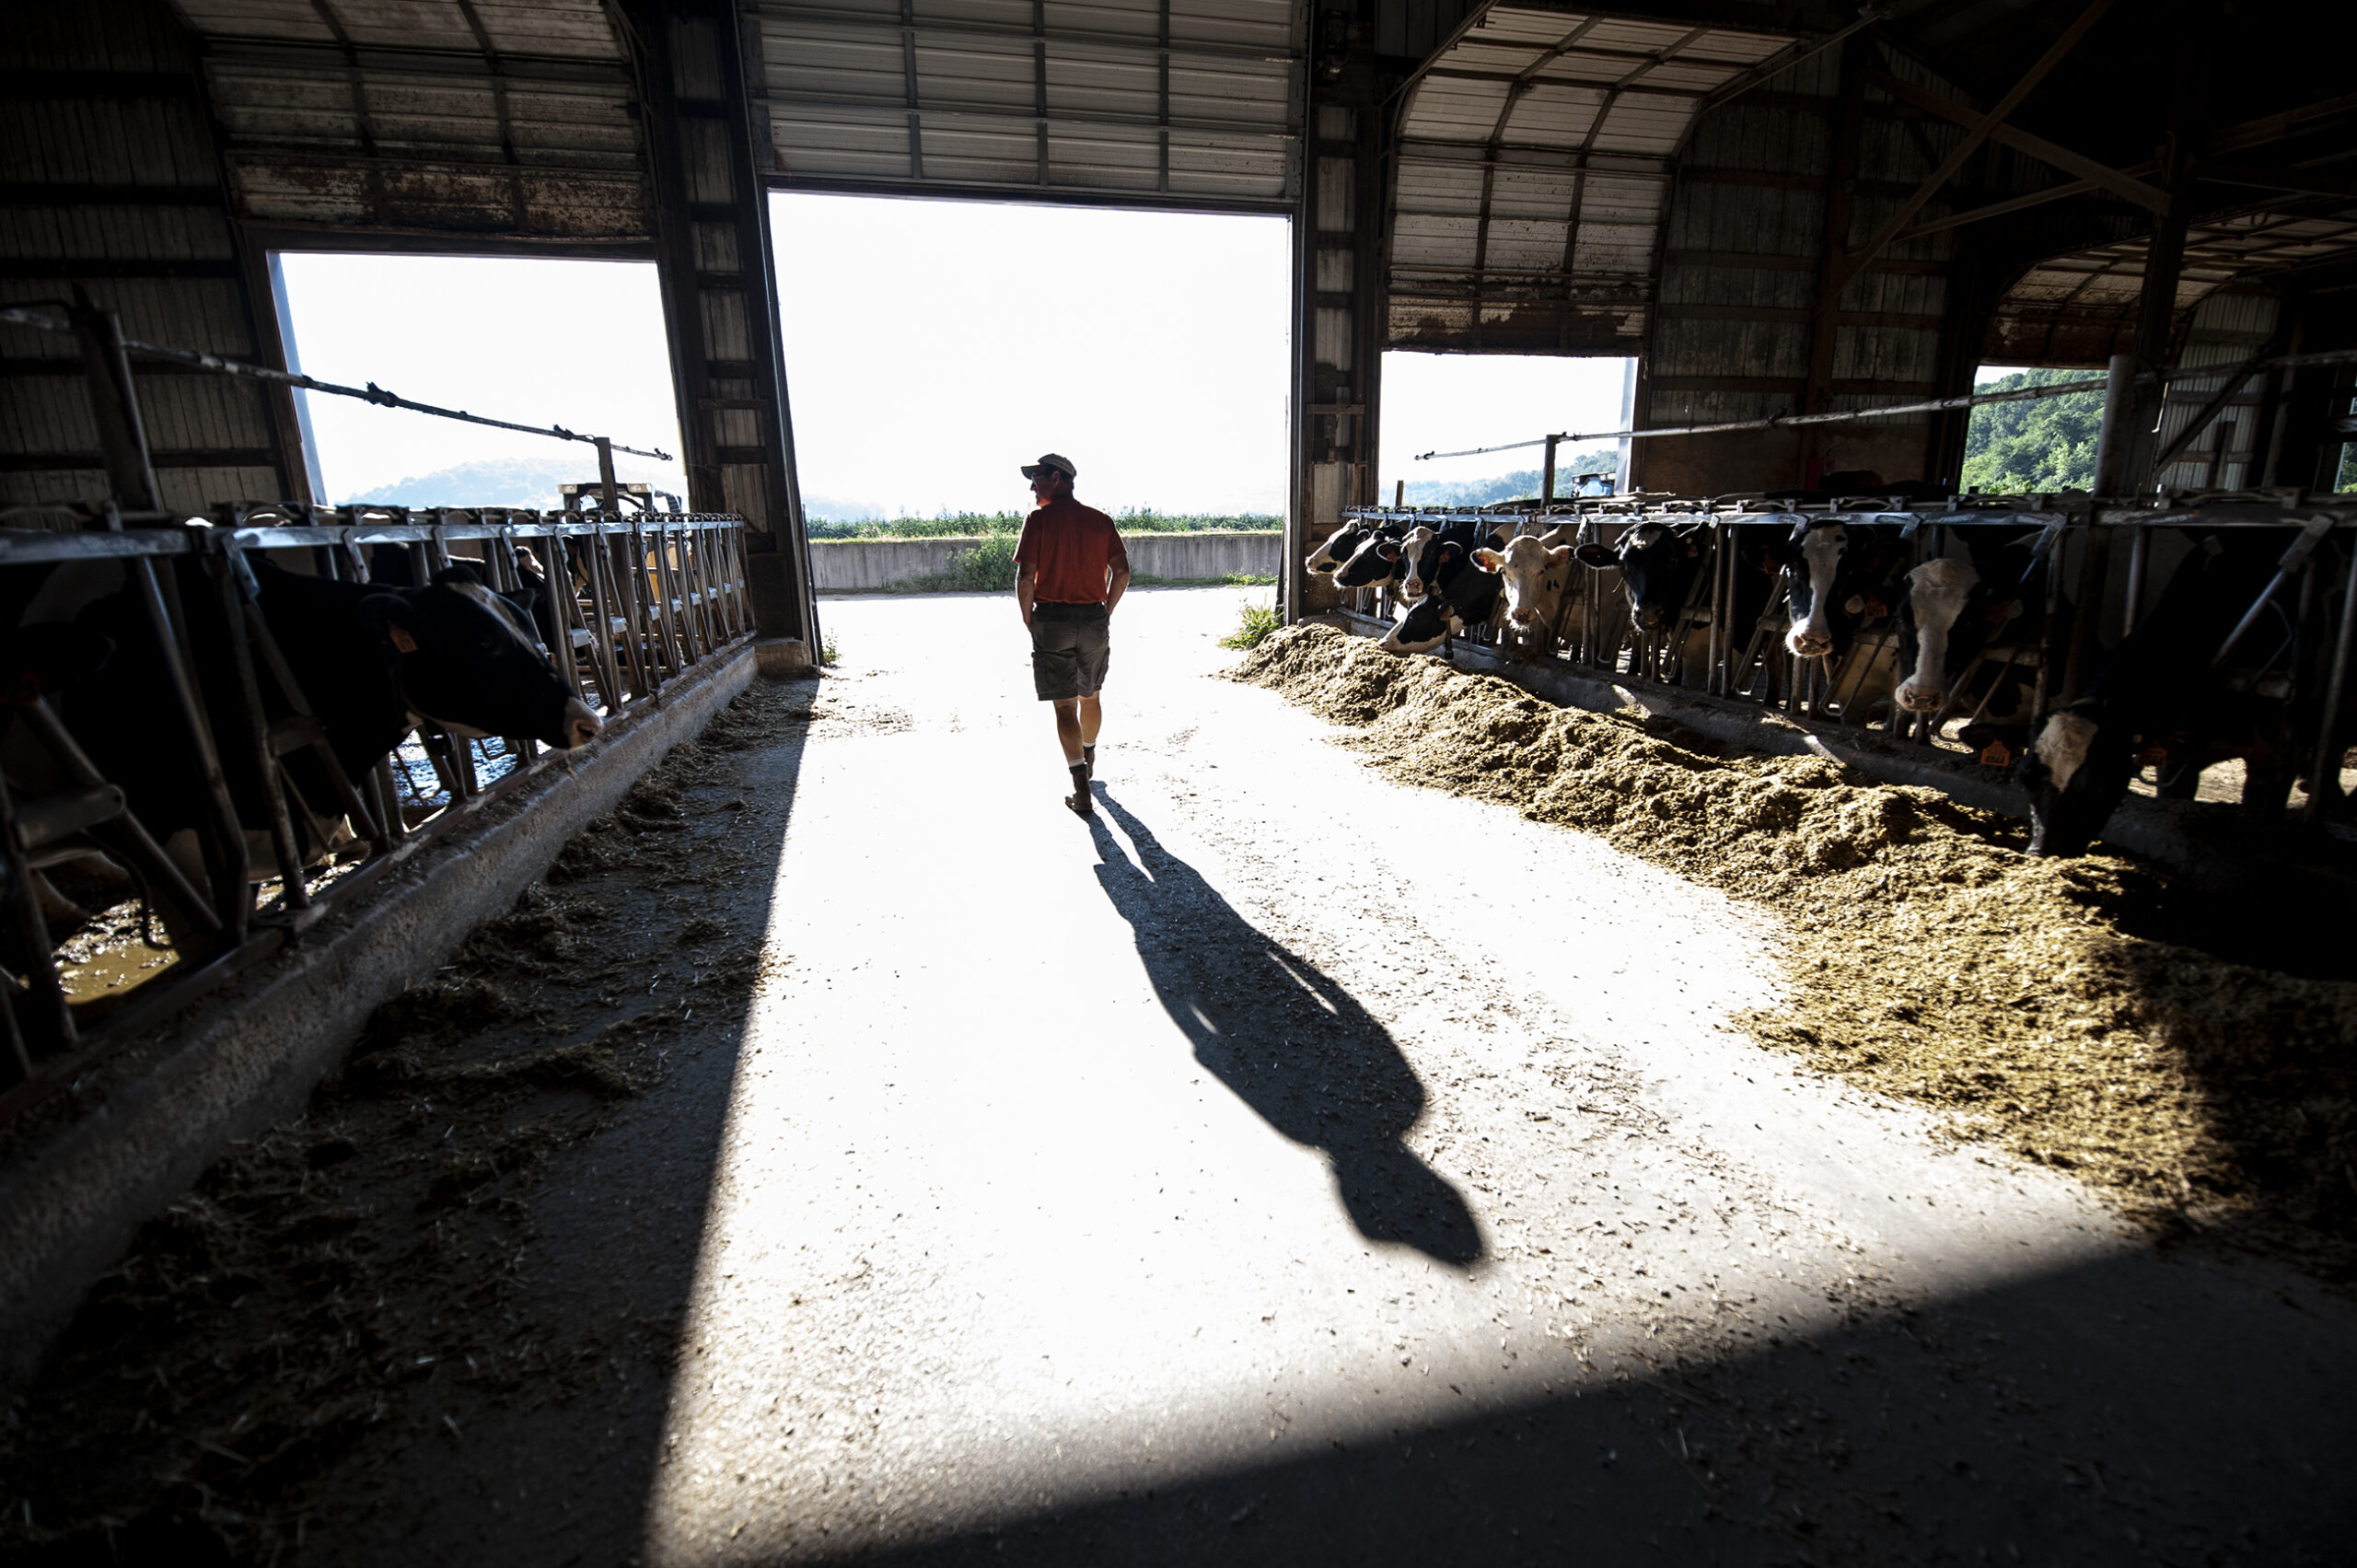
{"type": "Point", "coordinates": [1069, 650]}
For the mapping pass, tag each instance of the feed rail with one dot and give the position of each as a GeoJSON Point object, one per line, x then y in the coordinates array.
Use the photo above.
{"type": "Point", "coordinates": [641, 599]}
{"type": "Point", "coordinates": [2293, 643]}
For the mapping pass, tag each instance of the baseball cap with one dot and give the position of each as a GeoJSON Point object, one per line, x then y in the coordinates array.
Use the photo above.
{"type": "Point", "coordinates": [1051, 460]}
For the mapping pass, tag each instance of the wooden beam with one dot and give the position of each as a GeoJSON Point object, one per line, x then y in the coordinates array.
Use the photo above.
{"type": "Point", "coordinates": [1855, 261]}
{"type": "Point", "coordinates": [2117, 182]}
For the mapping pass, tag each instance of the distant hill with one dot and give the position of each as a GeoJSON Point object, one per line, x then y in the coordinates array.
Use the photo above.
{"type": "Point", "coordinates": [1517, 486]}
{"type": "Point", "coordinates": [509, 481]}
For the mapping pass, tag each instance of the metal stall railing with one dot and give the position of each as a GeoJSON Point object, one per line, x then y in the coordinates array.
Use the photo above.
{"type": "Point", "coordinates": [1723, 642]}
{"type": "Point", "coordinates": [636, 601]}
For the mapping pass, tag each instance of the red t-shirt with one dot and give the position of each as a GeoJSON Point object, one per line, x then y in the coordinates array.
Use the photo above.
{"type": "Point", "coordinates": [1074, 547]}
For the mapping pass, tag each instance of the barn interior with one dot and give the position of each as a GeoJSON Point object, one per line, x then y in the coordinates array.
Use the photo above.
{"type": "Point", "coordinates": [702, 1312]}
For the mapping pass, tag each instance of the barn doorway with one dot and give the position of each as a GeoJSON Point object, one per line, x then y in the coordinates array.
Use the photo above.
{"type": "Point", "coordinates": [934, 346]}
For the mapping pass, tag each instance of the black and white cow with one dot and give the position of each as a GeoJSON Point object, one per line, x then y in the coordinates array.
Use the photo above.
{"type": "Point", "coordinates": [1841, 573]}
{"type": "Point", "coordinates": [2159, 698]}
{"type": "Point", "coordinates": [1377, 560]}
{"type": "Point", "coordinates": [1339, 546]}
{"type": "Point", "coordinates": [1458, 595]}
{"type": "Point", "coordinates": [1956, 608]}
{"type": "Point", "coordinates": [372, 659]}
{"type": "Point", "coordinates": [1657, 565]}
{"type": "Point", "coordinates": [1420, 557]}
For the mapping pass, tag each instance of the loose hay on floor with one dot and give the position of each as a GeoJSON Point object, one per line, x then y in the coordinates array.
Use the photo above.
{"type": "Point", "coordinates": [1928, 956]}
{"type": "Point", "coordinates": [281, 1321]}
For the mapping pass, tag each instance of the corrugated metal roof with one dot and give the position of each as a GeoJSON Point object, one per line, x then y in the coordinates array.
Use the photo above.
{"type": "Point", "coordinates": [508, 118]}
{"type": "Point", "coordinates": [2080, 309]}
{"type": "Point", "coordinates": [1533, 174]}
{"type": "Point", "coordinates": [1184, 101]}
{"type": "Point", "coordinates": [118, 189]}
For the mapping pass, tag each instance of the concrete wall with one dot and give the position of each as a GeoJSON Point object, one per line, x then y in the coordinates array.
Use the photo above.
{"type": "Point", "coordinates": [840, 563]}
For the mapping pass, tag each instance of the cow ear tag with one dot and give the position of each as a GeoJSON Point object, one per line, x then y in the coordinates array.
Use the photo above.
{"type": "Point", "coordinates": [1996, 754]}
{"type": "Point", "coordinates": [1856, 603]}
{"type": "Point", "coordinates": [402, 642]}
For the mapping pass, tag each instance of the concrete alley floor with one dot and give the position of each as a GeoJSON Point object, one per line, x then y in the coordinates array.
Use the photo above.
{"type": "Point", "coordinates": [1291, 1166]}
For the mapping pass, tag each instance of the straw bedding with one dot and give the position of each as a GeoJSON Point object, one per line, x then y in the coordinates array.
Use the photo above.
{"type": "Point", "coordinates": [2079, 1014]}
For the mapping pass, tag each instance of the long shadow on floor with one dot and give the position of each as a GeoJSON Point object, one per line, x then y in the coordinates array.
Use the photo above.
{"type": "Point", "coordinates": [1292, 1044]}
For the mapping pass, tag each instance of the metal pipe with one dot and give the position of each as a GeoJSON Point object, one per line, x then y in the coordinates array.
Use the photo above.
{"type": "Point", "coordinates": [2323, 775]}
{"type": "Point", "coordinates": [114, 406]}
{"type": "Point", "coordinates": [1856, 416]}
{"type": "Point", "coordinates": [372, 393]}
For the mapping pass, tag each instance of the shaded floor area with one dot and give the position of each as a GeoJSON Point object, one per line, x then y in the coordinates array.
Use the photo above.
{"type": "Point", "coordinates": [1286, 1165]}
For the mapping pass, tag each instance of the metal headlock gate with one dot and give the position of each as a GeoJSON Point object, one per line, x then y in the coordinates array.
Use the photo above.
{"type": "Point", "coordinates": [641, 598]}
{"type": "Point", "coordinates": [2303, 658]}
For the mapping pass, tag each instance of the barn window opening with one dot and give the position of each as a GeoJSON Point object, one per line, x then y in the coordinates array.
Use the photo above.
{"type": "Point", "coordinates": [538, 342]}
{"type": "Point", "coordinates": [1444, 402]}
{"type": "Point", "coordinates": [2038, 444]}
{"type": "Point", "coordinates": [932, 347]}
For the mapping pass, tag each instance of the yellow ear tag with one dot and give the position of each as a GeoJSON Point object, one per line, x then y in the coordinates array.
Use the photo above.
{"type": "Point", "coordinates": [402, 641]}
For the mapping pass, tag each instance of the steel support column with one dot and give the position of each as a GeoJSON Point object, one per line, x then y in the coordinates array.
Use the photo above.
{"type": "Point", "coordinates": [706, 148]}
{"type": "Point", "coordinates": [1339, 303]}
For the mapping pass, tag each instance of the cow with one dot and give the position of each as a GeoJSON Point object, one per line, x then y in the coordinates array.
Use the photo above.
{"type": "Point", "coordinates": [373, 660]}
{"type": "Point", "coordinates": [1458, 595]}
{"type": "Point", "coordinates": [1534, 572]}
{"type": "Point", "coordinates": [1657, 565]}
{"type": "Point", "coordinates": [1841, 572]}
{"type": "Point", "coordinates": [2160, 698]}
{"type": "Point", "coordinates": [1373, 564]}
{"type": "Point", "coordinates": [1337, 548]}
{"type": "Point", "coordinates": [1954, 610]}
{"type": "Point", "coordinates": [1420, 551]}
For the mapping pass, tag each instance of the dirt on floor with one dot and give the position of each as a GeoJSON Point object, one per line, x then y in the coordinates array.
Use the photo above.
{"type": "Point", "coordinates": [261, 1330]}
{"type": "Point", "coordinates": [2090, 1015]}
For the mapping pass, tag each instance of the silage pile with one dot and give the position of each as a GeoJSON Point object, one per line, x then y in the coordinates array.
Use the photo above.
{"type": "Point", "coordinates": [1929, 958]}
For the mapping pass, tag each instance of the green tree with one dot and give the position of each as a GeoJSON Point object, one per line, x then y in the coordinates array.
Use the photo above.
{"type": "Point", "coordinates": [2043, 444]}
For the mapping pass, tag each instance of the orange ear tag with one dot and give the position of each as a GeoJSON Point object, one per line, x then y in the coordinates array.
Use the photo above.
{"type": "Point", "coordinates": [1995, 754]}
{"type": "Point", "coordinates": [402, 641]}
{"type": "Point", "coordinates": [2152, 756]}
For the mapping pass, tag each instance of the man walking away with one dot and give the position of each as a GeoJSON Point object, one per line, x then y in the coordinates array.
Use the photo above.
{"type": "Point", "coordinates": [1070, 571]}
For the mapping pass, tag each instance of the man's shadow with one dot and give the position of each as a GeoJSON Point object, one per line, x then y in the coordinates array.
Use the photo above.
{"type": "Point", "coordinates": [1290, 1043]}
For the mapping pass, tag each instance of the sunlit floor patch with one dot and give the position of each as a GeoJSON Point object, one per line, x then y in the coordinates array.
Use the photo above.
{"type": "Point", "coordinates": [1036, 1195]}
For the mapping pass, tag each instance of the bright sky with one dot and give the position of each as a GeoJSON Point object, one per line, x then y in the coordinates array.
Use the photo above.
{"type": "Point", "coordinates": [934, 347]}
{"type": "Point", "coordinates": [931, 349]}
{"type": "Point", "coordinates": [1448, 403]}
{"type": "Point", "coordinates": [576, 343]}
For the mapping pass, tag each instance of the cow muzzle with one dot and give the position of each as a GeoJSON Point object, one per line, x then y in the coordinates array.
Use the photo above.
{"type": "Point", "coordinates": [1809, 643]}
{"type": "Point", "coordinates": [581, 726]}
{"type": "Point", "coordinates": [1921, 699]}
{"type": "Point", "coordinates": [1523, 617]}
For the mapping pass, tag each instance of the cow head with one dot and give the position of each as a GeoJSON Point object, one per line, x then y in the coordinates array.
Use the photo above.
{"type": "Point", "coordinates": [1423, 626]}
{"type": "Point", "coordinates": [2077, 775]}
{"type": "Point", "coordinates": [1413, 548]}
{"type": "Point", "coordinates": [1657, 565]}
{"type": "Point", "coordinates": [1936, 593]}
{"type": "Point", "coordinates": [1818, 545]}
{"type": "Point", "coordinates": [1461, 596]}
{"type": "Point", "coordinates": [466, 659]}
{"type": "Point", "coordinates": [1532, 575]}
{"type": "Point", "coordinates": [1327, 558]}
{"type": "Point", "coordinates": [1375, 561]}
